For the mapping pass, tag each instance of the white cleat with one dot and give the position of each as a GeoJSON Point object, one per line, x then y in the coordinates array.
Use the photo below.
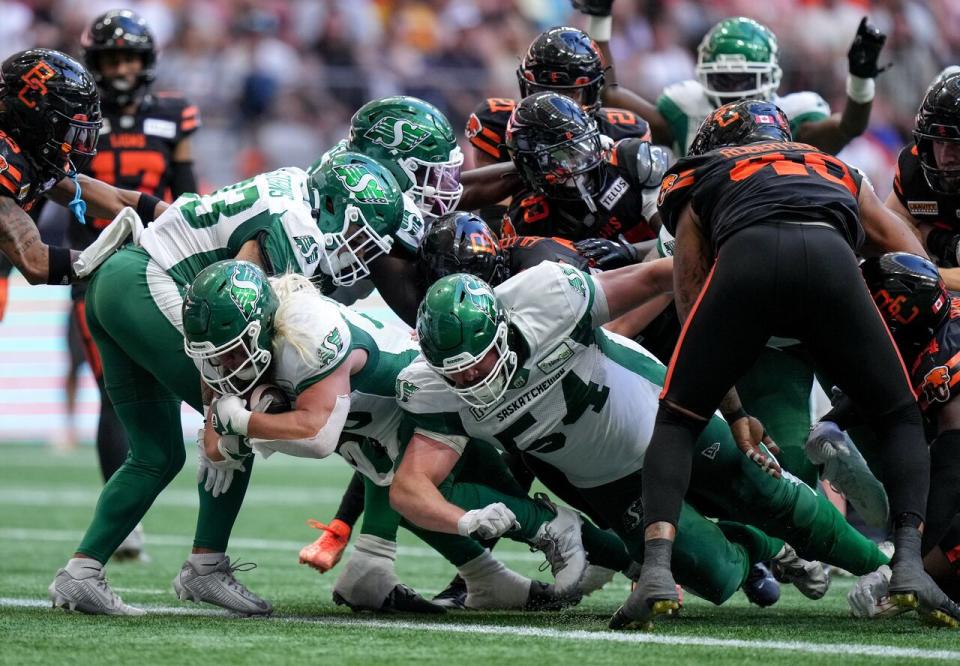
{"type": "Point", "coordinates": [849, 474]}
{"type": "Point", "coordinates": [595, 578]}
{"type": "Point", "coordinates": [808, 577]}
{"type": "Point", "coordinates": [89, 594]}
{"type": "Point", "coordinates": [870, 596]}
{"type": "Point", "coordinates": [220, 588]}
{"type": "Point", "coordinates": [561, 543]}
{"type": "Point", "coordinates": [131, 548]}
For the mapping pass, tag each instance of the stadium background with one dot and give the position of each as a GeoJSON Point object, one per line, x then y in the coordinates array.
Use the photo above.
{"type": "Point", "coordinates": [276, 83]}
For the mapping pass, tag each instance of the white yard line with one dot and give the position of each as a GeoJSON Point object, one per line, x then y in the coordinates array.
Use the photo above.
{"type": "Point", "coordinates": [881, 651]}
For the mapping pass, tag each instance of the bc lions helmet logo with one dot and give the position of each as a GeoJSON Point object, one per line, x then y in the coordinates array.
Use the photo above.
{"type": "Point", "coordinates": [936, 385]}
{"type": "Point", "coordinates": [397, 134]}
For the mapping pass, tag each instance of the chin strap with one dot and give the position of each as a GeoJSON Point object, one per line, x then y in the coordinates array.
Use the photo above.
{"type": "Point", "coordinates": [77, 205]}
{"type": "Point", "coordinates": [585, 195]}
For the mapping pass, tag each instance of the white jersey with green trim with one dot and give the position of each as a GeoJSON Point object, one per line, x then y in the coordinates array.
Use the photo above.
{"type": "Point", "coordinates": [369, 441]}
{"type": "Point", "coordinates": [197, 231]}
{"type": "Point", "coordinates": [583, 400]}
{"type": "Point", "coordinates": [685, 106]}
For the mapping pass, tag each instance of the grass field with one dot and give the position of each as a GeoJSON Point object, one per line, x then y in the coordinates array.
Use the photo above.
{"type": "Point", "coordinates": [46, 501]}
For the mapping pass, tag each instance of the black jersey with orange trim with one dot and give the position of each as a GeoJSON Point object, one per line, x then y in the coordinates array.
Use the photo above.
{"type": "Point", "coordinates": [20, 179]}
{"type": "Point", "coordinates": [621, 203]}
{"type": "Point", "coordinates": [488, 123]}
{"type": "Point", "coordinates": [135, 152]}
{"type": "Point", "coordinates": [914, 193]}
{"type": "Point", "coordinates": [935, 372]}
{"type": "Point", "coordinates": [523, 252]}
{"type": "Point", "coordinates": [733, 188]}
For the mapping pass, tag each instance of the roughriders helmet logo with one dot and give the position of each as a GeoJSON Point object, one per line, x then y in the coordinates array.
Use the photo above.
{"type": "Point", "coordinates": [397, 134]}
{"type": "Point", "coordinates": [481, 296]}
{"type": "Point", "coordinates": [362, 184]}
{"type": "Point", "coordinates": [405, 390]}
{"type": "Point", "coordinates": [244, 292]}
{"type": "Point", "coordinates": [309, 248]}
{"type": "Point", "coordinates": [35, 80]}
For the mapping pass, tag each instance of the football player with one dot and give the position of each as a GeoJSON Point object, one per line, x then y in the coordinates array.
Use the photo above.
{"type": "Point", "coordinates": [527, 365]}
{"type": "Point", "coordinates": [333, 222]}
{"type": "Point", "coordinates": [574, 188]}
{"type": "Point", "coordinates": [925, 323]}
{"type": "Point", "coordinates": [49, 123]}
{"type": "Point", "coordinates": [562, 60]}
{"type": "Point", "coordinates": [144, 145]}
{"type": "Point", "coordinates": [748, 196]}
{"type": "Point", "coordinates": [337, 373]}
{"type": "Point", "coordinates": [926, 187]}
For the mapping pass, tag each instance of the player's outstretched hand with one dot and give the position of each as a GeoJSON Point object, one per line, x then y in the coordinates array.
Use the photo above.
{"type": "Point", "coordinates": [749, 434]}
{"type": "Point", "coordinates": [594, 7]}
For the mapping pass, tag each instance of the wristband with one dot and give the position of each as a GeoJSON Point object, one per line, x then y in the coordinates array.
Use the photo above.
{"type": "Point", "coordinates": [147, 207]}
{"type": "Point", "coordinates": [860, 90]}
{"type": "Point", "coordinates": [600, 28]}
{"type": "Point", "coordinates": [59, 270]}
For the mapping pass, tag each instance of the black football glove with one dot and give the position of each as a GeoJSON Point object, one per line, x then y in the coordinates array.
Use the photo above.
{"type": "Point", "coordinates": [606, 254]}
{"type": "Point", "coordinates": [594, 7]}
{"type": "Point", "coordinates": [864, 53]}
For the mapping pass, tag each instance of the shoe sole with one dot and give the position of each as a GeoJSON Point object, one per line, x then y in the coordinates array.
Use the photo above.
{"type": "Point", "coordinates": [935, 618]}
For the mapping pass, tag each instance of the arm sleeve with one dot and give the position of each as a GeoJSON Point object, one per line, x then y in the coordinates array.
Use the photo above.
{"type": "Point", "coordinates": [182, 178]}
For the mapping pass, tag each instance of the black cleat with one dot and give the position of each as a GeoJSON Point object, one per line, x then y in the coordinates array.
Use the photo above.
{"type": "Point", "coordinates": [454, 596]}
{"type": "Point", "coordinates": [655, 594]}
{"type": "Point", "coordinates": [761, 588]}
{"type": "Point", "coordinates": [401, 599]}
{"type": "Point", "coordinates": [542, 598]}
{"type": "Point", "coordinates": [912, 588]}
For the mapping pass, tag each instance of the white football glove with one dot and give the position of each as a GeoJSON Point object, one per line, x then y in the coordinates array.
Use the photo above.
{"type": "Point", "coordinates": [870, 597]}
{"type": "Point", "coordinates": [825, 442]}
{"type": "Point", "coordinates": [219, 473]}
{"type": "Point", "coordinates": [491, 521]}
{"type": "Point", "coordinates": [230, 415]}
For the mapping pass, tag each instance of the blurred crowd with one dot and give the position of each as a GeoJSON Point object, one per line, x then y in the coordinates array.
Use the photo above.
{"type": "Point", "coordinates": [277, 81]}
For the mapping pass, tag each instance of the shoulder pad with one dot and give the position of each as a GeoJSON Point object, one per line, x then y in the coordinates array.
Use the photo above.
{"type": "Point", "coordinates": [487, 124]}
{"type": "Point", "coordinates": [688, 95]}
{"type": "Point", "coordinates": [804, 106]}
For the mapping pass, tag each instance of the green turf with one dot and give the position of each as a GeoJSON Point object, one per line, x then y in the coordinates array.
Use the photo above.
{"type": "Point", "coordinates": [47, 499]}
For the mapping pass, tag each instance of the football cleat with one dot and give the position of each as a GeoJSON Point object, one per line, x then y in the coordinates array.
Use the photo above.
{"type": "Point", "coordinates": [849, 474]}
{"type": "Point", "coordinates": [454, 595]}
{"type": "Point", "coordinates": [89, 594]}
{"type": "Point", "coordinates": [561, 542]}
{"type": "Point", "coordinates": [220, 588]}
{"type": "Point", "coordinates": [656, 593]}
{"type": "Point", "coordinates": [595, 578]}
{"type": "Point", "coordinates": [761, 588]}
{"type": "Point", "coordinates": [131, 548]}
{"type": "Point", "coordinates": [808, 577]}
{"type": "Point", "coordinates": [911, 588]}
{"type": "Point", "coordinates": [324, 553]}
{"type": "Point", "coordinates": [541, 597]}
{"type": "Point", "coordinates": [401, 599]}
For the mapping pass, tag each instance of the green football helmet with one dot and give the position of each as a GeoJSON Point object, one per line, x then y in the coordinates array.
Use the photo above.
{"type": "Point", "coordinates": [417, 143]}
{"type": "Point", "coordinates": [228, 314]}
{"type": "Point", "coordinates": [358, 208]}
{"type": "Point", "coordinates": [738, 59]}
{"type": "Point", "coordinates": [459, 322]}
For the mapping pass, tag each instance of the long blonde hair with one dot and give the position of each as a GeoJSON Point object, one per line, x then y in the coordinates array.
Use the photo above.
{"type": "Point", "coordinates": [293, 322]}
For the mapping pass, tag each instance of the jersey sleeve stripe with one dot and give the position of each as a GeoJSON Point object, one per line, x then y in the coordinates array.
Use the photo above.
{"type": "Point", "coordinates": [14, 171]}
{"type": "Point", "coordinates": [9, 185]}
{"type": "Point", "coordinates": [188, 125]}
{"type": "Point", "coordinates": [189, 112]}
{"type": "Point", "coordinates": [485, 146]}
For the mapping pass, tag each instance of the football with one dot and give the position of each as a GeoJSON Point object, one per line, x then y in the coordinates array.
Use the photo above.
{"type": "Point", "coordinates": [269, 399]}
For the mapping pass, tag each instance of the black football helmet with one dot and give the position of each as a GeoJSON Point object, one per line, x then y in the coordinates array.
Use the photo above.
{"type": "Point", "coordinates": [50, 106]}
{"type": "Point", "coordinates": [567, 61]}
{"type": "Point", "coordinates": [460, 242]}
{"type": "Point", "coordinates": [556, 147]}
{"type": "Point", "coordinates": [740, 123]}
{"type": "Point", "coordinates": [911, 296]}
{"type": "Point", "coordinates": [120, 30]}
{"type": "Point", "coordinates": [938, 121]}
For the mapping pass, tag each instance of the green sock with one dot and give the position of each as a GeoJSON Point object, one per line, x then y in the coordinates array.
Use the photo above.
{"type": "Point", "coordinates": [379, 518]}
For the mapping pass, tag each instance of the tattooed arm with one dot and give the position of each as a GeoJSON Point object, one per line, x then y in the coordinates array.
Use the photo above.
{"type": "Point", "coordinates": [20, 242]}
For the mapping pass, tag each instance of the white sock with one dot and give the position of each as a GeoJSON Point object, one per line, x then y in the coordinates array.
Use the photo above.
{"type": "Point", "coordinates": [205, 562]}
{"type": "Point", "coordinates": [480, 567]}
{"type": "Point", "coordinates": [83, 567]}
